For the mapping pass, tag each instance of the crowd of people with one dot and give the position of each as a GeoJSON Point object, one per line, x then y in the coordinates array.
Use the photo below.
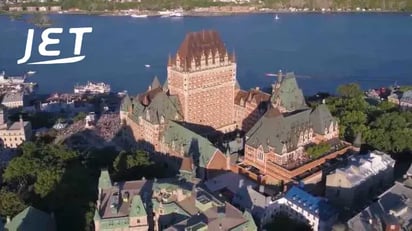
{"type": "Point", "coordinates": [108, 126]}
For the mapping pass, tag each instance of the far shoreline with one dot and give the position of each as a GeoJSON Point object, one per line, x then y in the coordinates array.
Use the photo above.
{"type": "Point", "coordinates": [205, 14]}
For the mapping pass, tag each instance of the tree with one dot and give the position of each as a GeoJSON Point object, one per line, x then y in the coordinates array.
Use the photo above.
{"type": "Point", "coordinates": [350, 90]}
{"type": "Point", "coordinates": [80, 116]}
{"type": "Point", "coordinates": [10, 203]}
{"type": "Point", "coordinates": [128, 160]}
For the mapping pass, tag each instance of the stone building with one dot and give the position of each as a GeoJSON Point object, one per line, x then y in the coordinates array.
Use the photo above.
{"type": "Point", "coordinates": [405, 102]}
{"type": "Point", "coordinates": [304, 207]}
{"type": "Point", "coordinates": [361, 179]}
{"type": "Point", "coordinates": [13, 100]}
{"type": "Point", "coordinates": [12, 134]}
{"type": "Point", "coordinates": [201, 73]}
{"type": "Point", "coordinates": [164, 204]}
{"type": "Point", "coordinates": [277, 143]}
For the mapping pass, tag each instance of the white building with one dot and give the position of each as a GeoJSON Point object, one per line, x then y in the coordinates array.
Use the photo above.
{"type": "Point", "coordinates": [360, 180]}
{"type": "Point", "coordinates": [302, 206]}
{"type": "Point", "coordinates": [90, 120]}
{"type": "Point", "coordinates": [13, 99]}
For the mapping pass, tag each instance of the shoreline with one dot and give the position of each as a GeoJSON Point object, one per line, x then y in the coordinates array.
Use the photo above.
{"type": "Point", "coordinates": [192, 13]}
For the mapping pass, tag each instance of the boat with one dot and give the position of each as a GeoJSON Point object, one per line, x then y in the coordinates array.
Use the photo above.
{"type": "Point", "coordinates": [31, 72]}
{"type": "Point", "coordinates": [177, 13]}
{"type": "Point", "coordinates": [139, 15]}
{"type": "Point", "coordinates": [165, 13]}
{"type": "Point", "coordinates": [147, 65]}
{"type": "Point", "coordinates": [276, 17]}
{"type": "Point", "coordinates": [11, 80]}
{"type": "Point", "coordinates": [92, 88]}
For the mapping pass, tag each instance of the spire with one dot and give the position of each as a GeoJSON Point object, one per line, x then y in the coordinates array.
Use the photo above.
{"type": "Point", "coordinates": [234, 56]}
{"type": "Point", "coordinates": [21, 122]}
{"type": "Point", "coordinates": [280, 76]}
{"type": "Point", "coordinates": [155, 83]}
{"type": "Point", "coordinates": [169, 61]}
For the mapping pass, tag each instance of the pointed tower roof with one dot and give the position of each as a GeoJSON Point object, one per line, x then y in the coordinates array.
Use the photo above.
{"type": "Point", "coordinates": [104, 179]}
{"type": "Point", "coordinates": [155, 83]}
{"type": "Point", "coordinates": [237, 85]}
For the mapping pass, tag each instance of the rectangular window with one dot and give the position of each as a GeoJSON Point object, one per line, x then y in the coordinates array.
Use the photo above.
{"type": "Point", "coordinates": [260, 155]}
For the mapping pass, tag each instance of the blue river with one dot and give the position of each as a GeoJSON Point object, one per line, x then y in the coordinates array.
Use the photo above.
{"type": "Point", "coordinates": [324, 50]}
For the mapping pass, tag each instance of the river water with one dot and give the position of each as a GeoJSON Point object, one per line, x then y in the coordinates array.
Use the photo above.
{"type": "Point", "coordinates": [371, 49]}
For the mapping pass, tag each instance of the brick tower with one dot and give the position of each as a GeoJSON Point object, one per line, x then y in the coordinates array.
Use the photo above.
{"type": "Point", "coordinates": [203, 75]}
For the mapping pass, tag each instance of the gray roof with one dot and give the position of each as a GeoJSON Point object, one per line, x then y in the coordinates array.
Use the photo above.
{"type": "Point", "coordinates": [394, 205]}
{"type": "Point", "coordinates": [155, 83]}
{"type": "Point", "coordinates": [407, 95]}
{"type": "Point", "coordinates": [152, 105]}
{"type": "Point", "coordinates": [291, 96]}
{"type": "Point", "coordinates": [231, 181]}
{"type": "Point", "coordinates": [31, 219]}
{"type": "Point", "coordinates": [321, 118]}
{"type": "Point", "coordinates": [193, 144]}
{"type": "Point", "coordinates": [275, 129]}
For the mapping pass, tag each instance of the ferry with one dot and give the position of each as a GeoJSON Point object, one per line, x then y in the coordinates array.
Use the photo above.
{"type": "Point", "coordinates": [147, 65]}
{"type": "Point", "coordinates": [139, 15]}
{"type": "Point", "coordinates": [11, 80]}
{"type": "Point", "coordinates": [31, 72]}
{"type": "Point", "coordinates": [165, 13]}
{"type": "Point", "coordinates": [92, 88]}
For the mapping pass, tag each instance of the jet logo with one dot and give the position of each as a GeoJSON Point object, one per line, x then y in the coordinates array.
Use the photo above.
{"type": "Point", "coordinates": [46, 40]}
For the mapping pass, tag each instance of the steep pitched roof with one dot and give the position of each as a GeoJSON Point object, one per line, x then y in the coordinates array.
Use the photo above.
{"type": "Point", "coordinates": [321, 118]}
{"type": "Point", "coordinates": [276, 130]}
{"type": "Point", "coordinates": [291, 96]}
{"type": "Point", "coordinates": [104, 179]}
{"type": "Point", "coordinates": [195, 145]}
{"type": "Point", "coordinates": [31, 219]}
{"type": "Point", "coordinates": [195, 44]}
{"type": "Point", "coordinates": [153, 105]}
{"type": "Point", "coordinates": [155, 83]}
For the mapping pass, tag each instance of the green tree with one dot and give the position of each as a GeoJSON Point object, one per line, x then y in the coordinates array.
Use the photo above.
{"type": "Point", "coordinates": [350, 90]}
{"type": "Point", "coordinates": [80, 116]}
{"type": "Point", "coordinates": [10, 203]}
{"type": "Point", "coordinates": [47, 181]}
{"type": "Point", "coordinates": [128, 160]}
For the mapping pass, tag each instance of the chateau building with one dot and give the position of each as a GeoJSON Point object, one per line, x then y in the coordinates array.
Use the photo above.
{"type": "Point", "coordinates": [201, 73]}
{"type": "Point", "coordinates": [201, 89]}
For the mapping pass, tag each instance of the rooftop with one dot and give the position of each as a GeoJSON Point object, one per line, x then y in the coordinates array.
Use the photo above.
{"type": "Point", "coordinates": [361, 167]}
{"type": "Point", "coordinates": [31, 219]}
{"type": "Point", "coordinates": [314, 205]}
{"type": "Point", "coordinates": [394, 206]}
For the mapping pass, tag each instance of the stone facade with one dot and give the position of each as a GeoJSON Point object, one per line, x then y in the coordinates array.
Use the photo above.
{"type": "Point", "coordinates": [13, 134]}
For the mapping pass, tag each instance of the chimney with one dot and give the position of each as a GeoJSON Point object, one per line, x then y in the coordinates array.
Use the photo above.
{"type": "Point", "coordinates": [323, 101]}
{"type": "Point", "coordinates": [8, 219]}
{"type": "Point", "coordinates": [257, 88]}
{"type": "Point", "coordinates": [280, 76]}
{"type": "Point", "coordinates": [149, 88]}
{"type": "Point", "coordinates": [261, 188]}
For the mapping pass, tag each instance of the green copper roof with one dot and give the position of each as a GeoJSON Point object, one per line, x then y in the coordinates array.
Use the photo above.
{"type": "Point", "coordinates": [114, 223]}
{"type": "Point", "coordinates": [31, 219]}
{"type": "Point", "coordinates": [192, 143]}
{"type": "Point", "coordinates": [249, 225]}
{"type": "Point", "coordinates": [137, 209]}
{"type": "Point", "coordinates": [104, 179]}
{"type": "Point", "coordinates": [291, 96]}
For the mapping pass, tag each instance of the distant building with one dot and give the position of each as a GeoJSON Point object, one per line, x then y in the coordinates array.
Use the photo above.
{"type": "Point", "coordinates": [302, 206]}
{"type": "Point", "coordinates": [406, 100]}
{"type": "Point", "coordinates": [164, 204]}
{"type": "Point", "coordinates": [360, 180]}
{"type": "Point", "coordinates": [12, 134]}
{"type": "Point", "coordinates": [392, 212]}
{"type": "Point", "coordinates": [15, 8]}
{"type": "Point", "coordinates": [55, 8]}
{"type": "Point", "coordinates": [31, 9]}
{"type": "Point", "coordinates": [394, 98]}
{"type": "Point", "coordinates": [31, 219]}
{"type": "Point", "coordinates": [13, 99]}
{"type": "Point", "coordinates": [42, 8]}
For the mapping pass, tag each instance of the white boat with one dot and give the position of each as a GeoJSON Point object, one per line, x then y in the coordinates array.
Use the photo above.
{"type": "Point", "coordinates": [147, 65]}
{"type": "Point", "coordinates": [92, 88]}
{"type": "Point", "coordinates": [176, 14]}
{"type": "Point", "coordinates": [276, 17]}
{"type": "Point", "coordinates": [139, 15]}
{"type": "Point", "coordinates": [165, 13]}
{"type": "Point", "coordinates": [31, 72]}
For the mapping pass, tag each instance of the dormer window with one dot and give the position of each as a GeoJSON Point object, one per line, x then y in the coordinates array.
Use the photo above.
{"type": "Point", "coordinates": [162, 119]}
{"type": "Point", "coordinates": [260, 155]}
{"type": "Point", "coordinates": [147, 115]}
